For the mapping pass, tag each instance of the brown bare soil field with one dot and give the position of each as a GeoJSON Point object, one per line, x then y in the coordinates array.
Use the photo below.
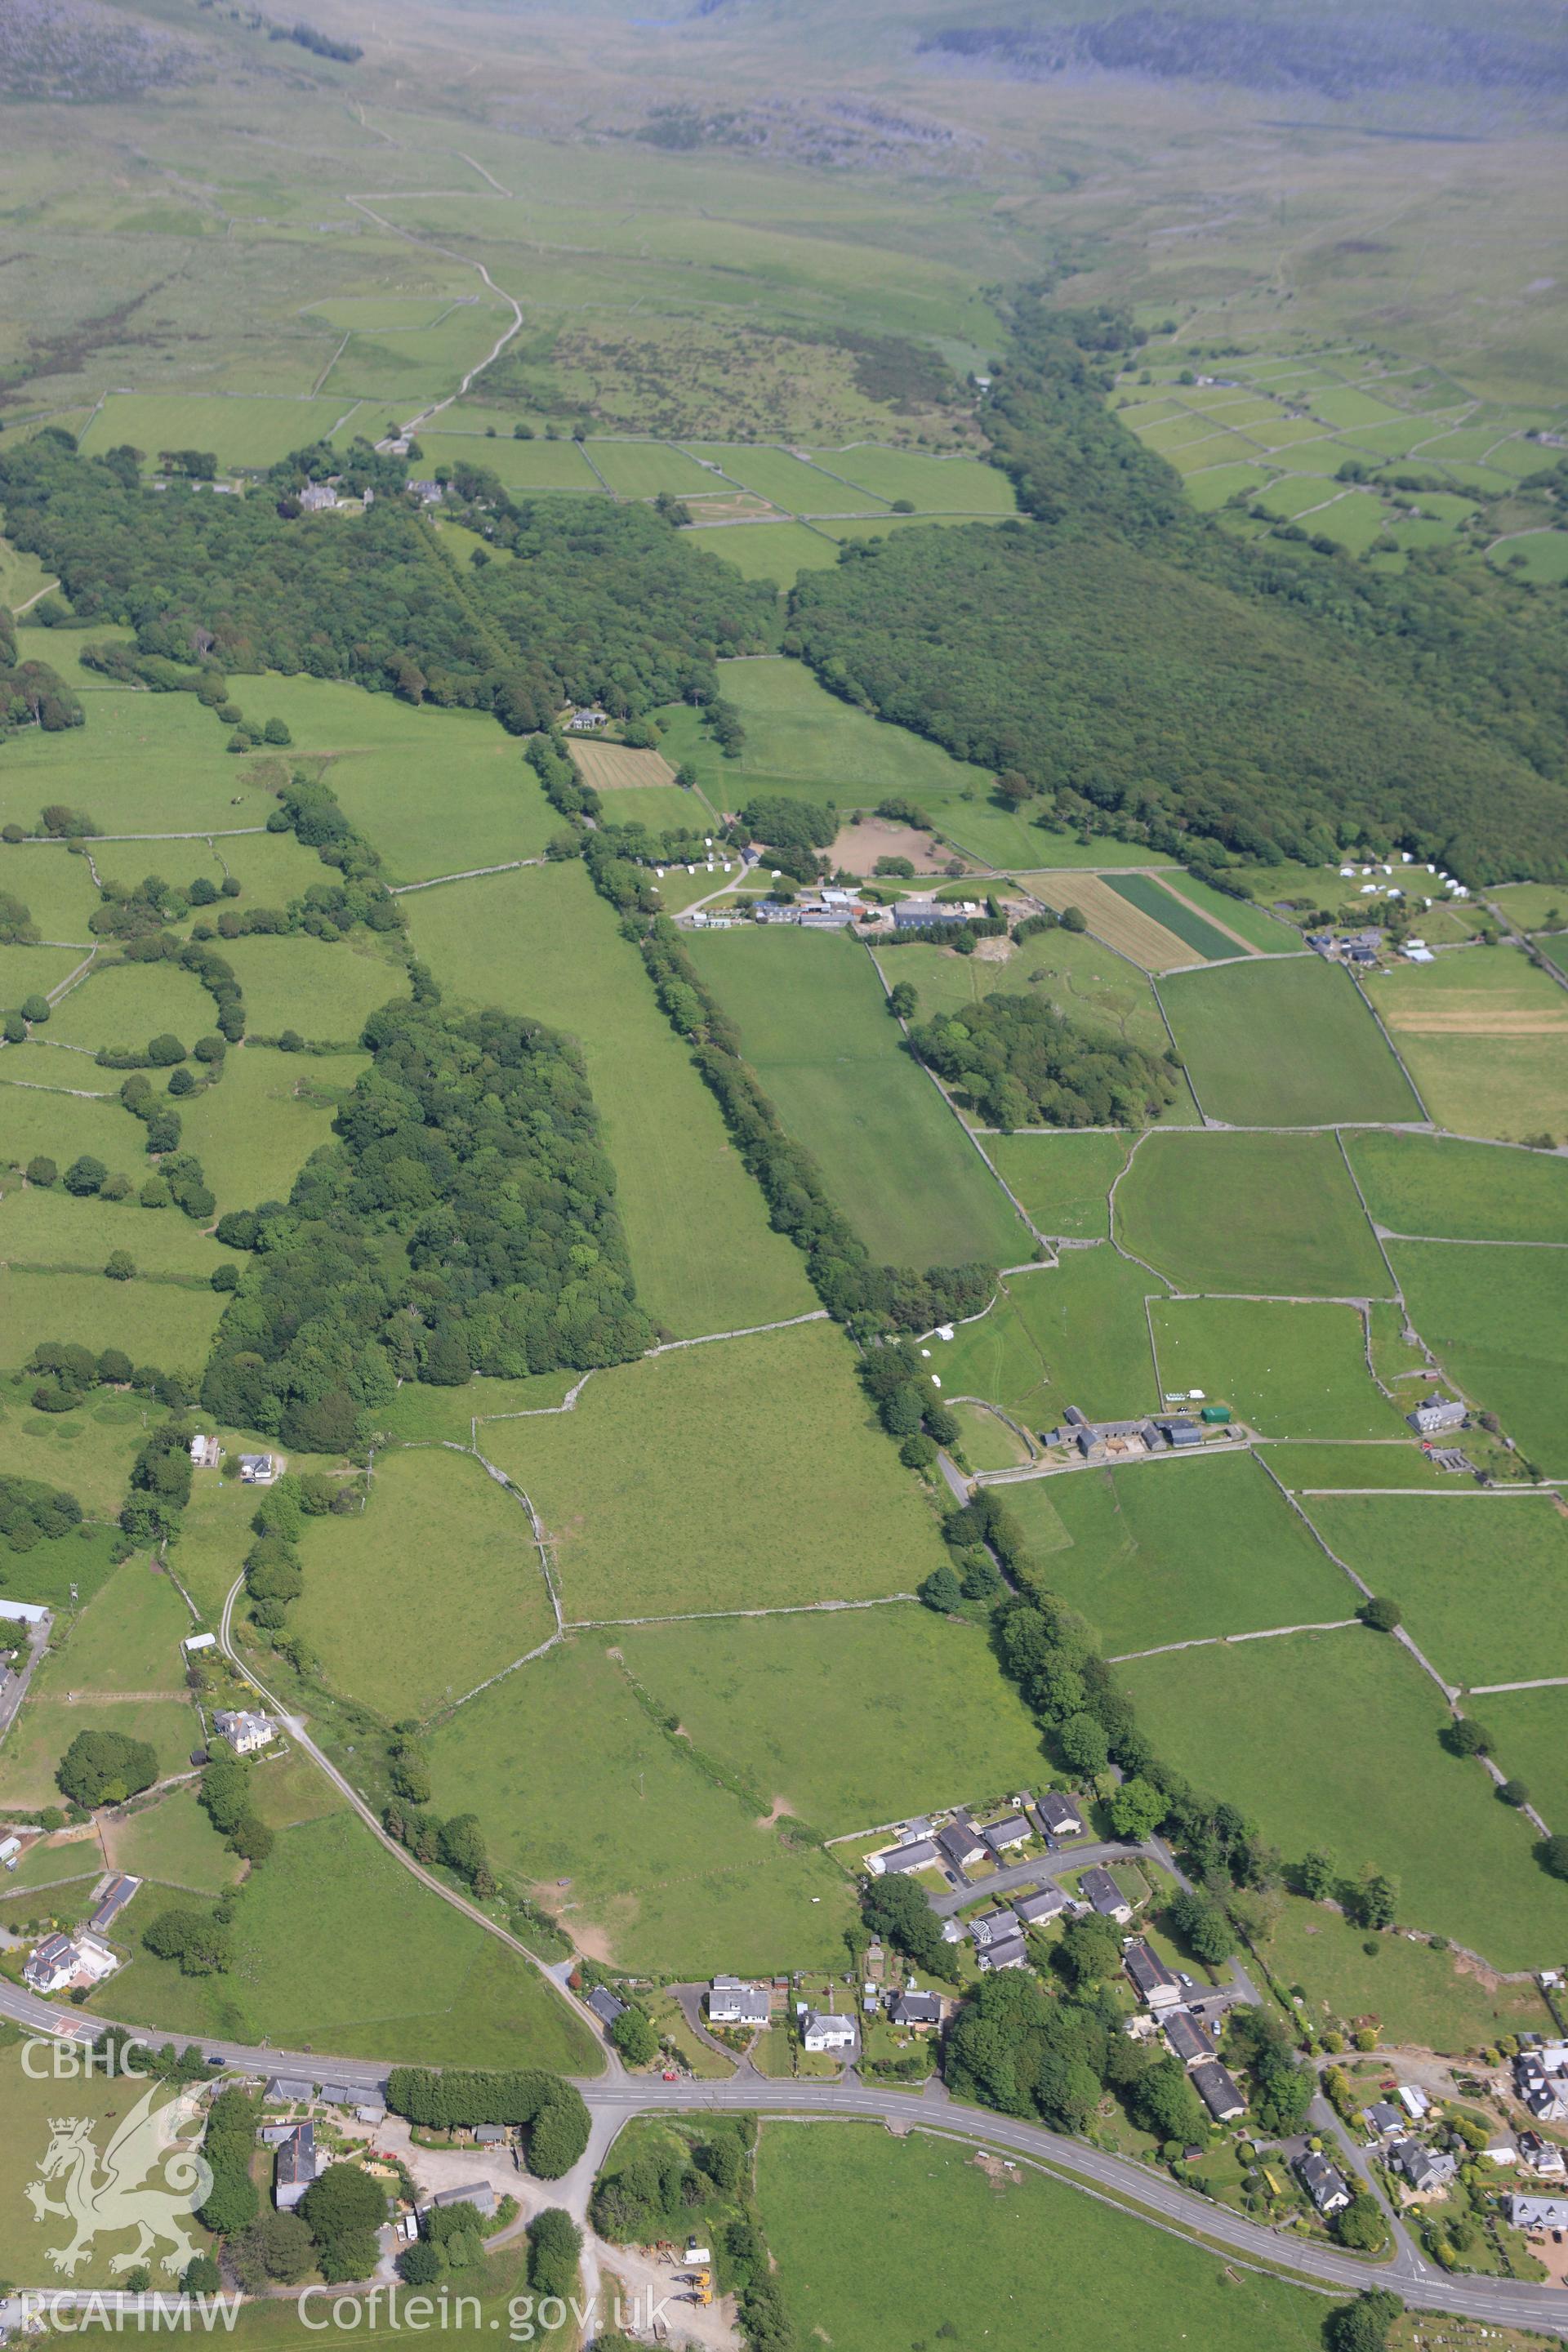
{"type": "Point", "coordinates": [859, 846]}
{"type": "Point", "coordinates": [614, 767]}
{"type": "Point", "coordinates": [1111, 919]}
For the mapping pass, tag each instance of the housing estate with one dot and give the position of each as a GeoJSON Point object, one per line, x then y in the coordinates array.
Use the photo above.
{"type": "Point", "coordinates": [919, 1855]}
{"type": "Point", "coordinates": [962, 1846]}
{"type": "Point", "coordinates": [1059, 1817]}
{"type": "Point", "coordinates": [1046, 1903]}
{"type": "Point", "coordinates": [1007, 1952]}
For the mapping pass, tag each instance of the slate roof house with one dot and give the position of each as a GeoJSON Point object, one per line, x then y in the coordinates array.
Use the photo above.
{"type": "Point", "coordinates": [961, 1845]}
{"type": "Point", "coordinates": [1323, 2185]}
{"type": "Point", "coordinates": [1102, 1893]}
{"type": "Point", "coordinates": [1151, 1980]}
{"type": "Point", "coordinates": [1060, 1814]}
{"type": "Point", "coordinates": [1216, 2086]}
{"type": "Point", "coordinates": [732, 2001]}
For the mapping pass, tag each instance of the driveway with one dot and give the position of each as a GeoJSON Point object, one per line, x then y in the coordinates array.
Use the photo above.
{"type": "Point", "coordinates": [16, 1685]}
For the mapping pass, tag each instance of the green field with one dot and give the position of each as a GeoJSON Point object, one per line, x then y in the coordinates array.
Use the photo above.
{"type": "Point", "coordinates": [1483, 1034]}
{"type": "Point", "coordinates": [1439, 1187]}
{"type": "Point", "coordinates": [1073, 1334]}
{"type": "Point", "coordinates": [1268, 1214]}
{"type": "Point", "coordinates": [1534, 906]}
{"type": "Point", "coordinates": [647, 1862]}
{"type": "Point", "coordinates": [542, 944]}
{"type": "Point", "coordinates": [127, 1639]}
{"type": "Point", "coordinates": [1296, 1371]}
{"type": "Point", "coordinates": [1310, 1469]}
{"type": "Point", "coordinates": [1239, 915]}
{"type": "Point", "coordinates": [884, 2241]}
{"type": "Point", "coordinates": [1080, 975]}
{"type": "Point", "coordinates": [790, 482]}
{"type": "Point", "coordinates": [324, 992]}
{"type": "Point", "coordinates": [1418, 1997]}
{"type": "Point", "coordinates": [89, 1449]}
{"type": "Point", "coordinates": [1497, 1321]}
{"type": "Point", "coordinates": [254, 432]}
{"type": "Point", "coordinates": [254, 1132]}
{"type": "Point", "coordinates": [1164, 1552]}
{"type": "Point", "coordinates": [156, 1323]}
{"type": "Point", "coordinates": [1064, 1180]}
{"type": "Point", "coordinates": [28, 971]}
{"type": "Point", "coordinates": [641, 469]}
{"type": "Point", "coordinates": [745, 1474]}
{"type": "Point", "coordinates": [815, 1025]}
{"type": "Point", "coordinates": [318, 1961]}
{"type": "Point", "coordinates": [118, 1004]}
{"type": "Point", "coordinates": [959, 486]}
{"type": "Point", "coordinates": [1480, 1579]}
{"type": "Point", "coordinates": [370, 1580]}
{"type": "Point", "coordinates": [865, 1715]}
{"type": "Point", "coordinates": [769, 550]}
{"type": "Point", "coordinates": [1541, 556]}
{"type": "Point", "coordinates": [47, 1725]}
{"type": "Point", "coordinates": [421, 1413]}
{"type": "Point", "coordinates": [174, 1843]}
{"type": "Point", "coordinates": [49, 1228]}
{"type": "Point", "coordinates": [1143, 891]}
{"type": "Point", "coordinates": [536, 465]}
{"type": "Point", "coordinates": [145, 763]}
{"type": "Point", "coordinates": [1284, 1042]}
{"type": "Point", "coordinates": [1329, 1741]}
{"type": "Point", "coordinates": [1530, 1727]}
{"type": "Point", "coordinates": [56, 888]}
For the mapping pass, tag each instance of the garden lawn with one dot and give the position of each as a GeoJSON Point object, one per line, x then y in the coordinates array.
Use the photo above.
{"type": "Point", "coordinates": [127, 1638]}
{"type": "Point", "coordinates": [1284, 1042]}
{"type": "Point", "coordinates": [1075, 1333]}
{"type": "Point", "coordinates": [1265, 1215]}
{"type": "Point", "coordinates": [50, 1722]}
{"type": "Point", "coordinates": [648, 1863]}
{"type": "Point", "coordinates": [145, 763]}
{"type": "Point", "coordinates": [815, 1026]}
{"type": "Point", "coordinates": [1420, 1997]}
{"type": "Point", "coordinates": [337, 1945]}
{"type": "Point", "coordinates": [542, 944]}
{"type": "Point", "coordinates": [431, 1589]}
{"type": "Point", "coordinates": [743, 1474]}
{"type": "Point", "coordinates": [1483, 1032]}
{"type": "Point", "coordinates": [1167, 1553]}
{"type": "Point", "coordinates": [90, 1450]}
{"type": "Point", "coordinates": [862, 1716]}
{"type": "Point", "coordinates": [883, 2241]}
{"type": "Point", "coordinates": [1482, 1580]}
{"type": "Point", "coordinates": [120, 1004]}
{"type": "Point", "coordinates": [153, 1322]}
{"type": "Point", "coordinates": [254, 1132]}
{"type": "Point", "coordinates": [324, 992]}
{"type": "Point", "coordinates": [1329, 1741]}
{"type": "Point", "coordinates": [1530, 1728]}
{"type": "Point", "coordinates": [55, 1228]}
{"type": "Point", "coordinates": [1439, 1187]}
{"type": "Point", "coordinates": [1497, 1321]}
{"type": "Point", "coordinates": [1064, 1180]}
{"type": "Point", "coordinates": [1296, 1371]}
{"type": "Point", "coordinates": [174, 1843]}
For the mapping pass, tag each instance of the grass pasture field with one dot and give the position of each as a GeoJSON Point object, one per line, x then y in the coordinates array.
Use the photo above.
{"type": "Point", "coordinates": [1173, 913]}
{"type": "Point", "coordinates": [28, 971]}
{"type": "Point", "coordinates": [1530, 1727]}
{"type": "Point", "coordinates": [1313, 1467]}
{"type": "Point", "coordinates": [1081, 976]}
{"type": "Point", "coordinates": [613, 767]}
{"type": "Point", "coordinates": [536, 465]}
{"type": "Point", "coordinates": [746, 1473]}
{"type": "Point", "coordinates": [255, 1131]}
{"type": "Point", "coordinates": [174, 1843]}
{"type": "Point", "coordinates": [55, 888]}
{"type": "Point", "coordinates": [815, 1025]}
{"type": "Point", "coordinates": [157, 1323]}
{"type": "Point", "coordinates": [1443, 1189]}
{"type": "Point", "coordinates": [120, 1006]}
{"type": "Point", "coordinates": [1284, 1042]}
{"type": "Point", "coordinates": [44, 1118]}
{"type": "Point", "coordinates": [1171, 1553]}
{"type": "Point", "coordinates": [1481, 1578]}
{"type": "Point", "coordinates": [1497, 1319]}
{"type": "Point", "coordinates": [1483, 1032]}
{"type": "Point", "coordinates": [1330, 1740]}
{"type": "Point", "coordinates": [1115, 914]}
{"type": "Point", "coordinates": [51, 1720]}
{"type": "Point", "coordinates": [1534, 906]}
{"type": "Point", "coordinates": [647, 1861]}
{"type": "Point", "coordinates": [240, 431]}
{"type": "Point", "coordinates": [1269, 1215]}
{"type": "Point", "coordinates": [542, 943]}
{"type": "Point", "coordinates": [1296, 1372]}
{"type": "Point", "coordinates": [793, 484]}
{"type": "Point", "coordinates": [865, 1715]}
{"type": "Point", "coordinates": [127, 1638]}
{"type": "Point", "coordinates": [90, 1450]}
{"type": "Point", "coordinates": [438, 1990]}
{"type": "Point", "coordinates": [325, 991]}
{"type": "Point", "coordinates": [51, 1227]}
{"type": "Point", "coordinates": [881, 2241]}
{"type": "Point", "coordinates": [1075, 1333]}
{"type": "Point", "coordinates": [1420, 1997]}
{"type": "Point", "coordinates": [365, 1609]}
{"type": "Point", "coordinates": [1064, 1180]}
{"type": "Point", "coordinates": [768, 551]}
{"type": "Point", "coordinates": [145, 763]}
{"type": "Point", "coordinates": [958, 486]}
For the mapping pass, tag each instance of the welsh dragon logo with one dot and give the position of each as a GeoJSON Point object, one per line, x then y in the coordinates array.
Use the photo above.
{"type": "Point", "coordinates": [149, 2180]}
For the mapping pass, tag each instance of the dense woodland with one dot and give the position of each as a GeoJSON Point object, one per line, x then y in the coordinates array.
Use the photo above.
{"type": "Point", "coordinates": [1136, 665]}
{"type": "Point", "coordinates": [600, 603]}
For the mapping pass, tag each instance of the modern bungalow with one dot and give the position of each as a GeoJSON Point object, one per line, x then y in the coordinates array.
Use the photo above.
{"type": "Point", "coordinates": [1216, 2087]}
{"type": "Point", "coordinates": [1059, 1815]}
{"type": "Point", "coordinates": [258, 1469]}
{"type": "Point", "coordinates": [962, 1846]}
{"type": "Point", "coordinates": [1047, 1903]}
{"type": "Point", "coordinates": [1102, 1894]}
{"type": "Point", "coordinates": [732, 2001]}
{"type": "Point", "coordinates": [1010, 1952]}
{"type": "Point", "coordinates": [919, 1855]}
{"type": "Point", "coordinates": [605, 2005]}
{"type": "Point", "coordinates": [1323, 2183]}
{"type": "Point", "coordinates": [917, 2008]}
{"type": "Point", "coordinates": [1189, 2039]}
{"type": "Point", "coordinates": [823, 2030]}
{"type": "Point", "coordinates": [1151, 1980]}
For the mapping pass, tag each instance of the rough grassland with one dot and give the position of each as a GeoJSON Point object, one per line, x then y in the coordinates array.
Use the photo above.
{"type": "Point", "coordinates": [1331, 1740]}
{"type": "Point", "coordinates": [1435, 1185]}
{"type": "Point", "coordinates": [319, 1961]}
{"type": "Point", "coordinates": [863, 1716]}
{"type": "Point", "coordinates": [255, 1131]}
{"type": "Point", "coordinates": [544, 944]}
{"type": "Point", "coordinates": [574, 1782]}
{"type": "Point", "coordinates": [883, 2241]}
{"type": "Point", "coordinates": [1284, 1042]}
{"type": "Point", "coordinates": [1483, 1032]}
{"type": "Point", "coordinates": [815, 1026]}
{"type": "Point", "coordinates": [155, 1323]}
{"type": "Point", "coordinates": [1177, 1551]}
{"type": "Point", "coordinates": [1071, 1334]}
{"type": "Point", "coordinates": [1079, 975]}
{"type": "Point", "coordinates": [1288, 1371]}
{"type": "Point", "coordinates": [434, 1586]}
{"type": "Point", "coordinates": [90, 1451]}
{"type": "Point", "coordinates": [118, 1004]}
{"type": "Point", "coordinates": [746, 1475]}
{"type": "Point", "coordinates": [46, 1725]}
{"type": "Point", "coordinates": [1064, 1180]}
{"type": "Point", "coordinates": [325, 992]}
{"type": "Point", "coordinates": [126, 1639]}
{"type": "Point", "coordinates": [1418, 1996]}
{"type": "Point", "coordinates": [1275, 1214]}
{"type": "Point", "coordinates": [174, 1843]}
{"type": "Point", "coordinates": [51, 1227]}
{"type": "Point", "coordinates": [1482, 1580]}
{"type": "Point", "coordinates": [62, 1125]}
{"type": "Point", "coordinates": [1532, 1732]}
{"type": "Point", "coordinates": [1498, 1320]}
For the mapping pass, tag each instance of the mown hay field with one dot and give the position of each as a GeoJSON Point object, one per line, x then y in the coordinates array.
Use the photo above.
{"type": "Point", "coordinates": [1484, 1034]}
{"type": "Point", "coordinates": [1110, 915]}
{"type": "Point", "coordinates": [615, 767]}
